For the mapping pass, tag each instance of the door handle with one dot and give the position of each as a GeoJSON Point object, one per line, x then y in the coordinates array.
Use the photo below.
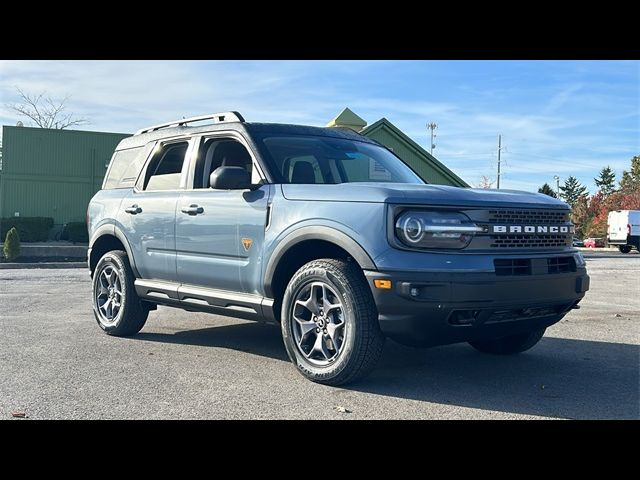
{"type": "Point", "coordinates": [133, 209]}
{"type": "Point", "coordinates": [192, 209]}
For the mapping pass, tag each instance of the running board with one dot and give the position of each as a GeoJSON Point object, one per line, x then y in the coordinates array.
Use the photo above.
{"type": "Point", "coordinates": [220, 302]}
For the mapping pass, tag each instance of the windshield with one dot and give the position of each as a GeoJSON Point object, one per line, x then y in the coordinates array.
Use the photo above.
{"type": "Point", "coordinates": [326, 160]}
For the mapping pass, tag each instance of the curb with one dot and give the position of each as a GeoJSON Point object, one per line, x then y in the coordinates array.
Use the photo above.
{"type": "Point", "coordinates": [21, 266]}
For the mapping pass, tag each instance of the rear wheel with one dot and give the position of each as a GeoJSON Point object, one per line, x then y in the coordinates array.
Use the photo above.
{"type": "Point", "coordinates": [624, 248]}
{"type": "Point", "coordinates": [116, 306]}
{"type": "Point", "coordinates": [330, 323]}
{"type": "Point", "coordinates": [509, 345]}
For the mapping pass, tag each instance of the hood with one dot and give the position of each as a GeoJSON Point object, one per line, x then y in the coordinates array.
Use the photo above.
{"type": "Point", "coordinates": [419, 195]}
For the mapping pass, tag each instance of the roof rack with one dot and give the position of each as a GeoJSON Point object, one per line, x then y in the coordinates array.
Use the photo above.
{"type": "Point", "coordinates": [221, 117]}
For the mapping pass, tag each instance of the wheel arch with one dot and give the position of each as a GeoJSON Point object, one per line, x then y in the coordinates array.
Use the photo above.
{"type": "Point", "coordinates": [105, 239]}
{"type": "Point", "coordinates": [306, 244]}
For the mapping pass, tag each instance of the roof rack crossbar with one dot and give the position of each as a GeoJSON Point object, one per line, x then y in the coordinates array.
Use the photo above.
{"type": "Point", "coordinates": [221, 117]}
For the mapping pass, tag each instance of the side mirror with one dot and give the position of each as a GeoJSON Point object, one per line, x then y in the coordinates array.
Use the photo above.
{"type": "Point", "coordinates": [230, 178]}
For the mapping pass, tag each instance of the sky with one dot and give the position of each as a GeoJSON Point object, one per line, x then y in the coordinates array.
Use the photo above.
{"type": "Point", "coordinates": [556, 117]}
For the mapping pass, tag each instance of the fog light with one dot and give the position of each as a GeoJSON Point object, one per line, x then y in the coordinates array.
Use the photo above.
{"type": "Point", "coordinates": [415, 292]}
{"type": "Point", "coordinates": [384, 284]}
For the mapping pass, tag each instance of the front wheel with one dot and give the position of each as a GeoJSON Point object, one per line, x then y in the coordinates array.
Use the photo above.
{"type": "Point", "coordinates": [509, 345]}
{"type": "Point", "coordinates": [116, 306]}
{"type": "Point", "coordinates": [624, 248]}
{"type": "Point", "coordinates": [330, 323]}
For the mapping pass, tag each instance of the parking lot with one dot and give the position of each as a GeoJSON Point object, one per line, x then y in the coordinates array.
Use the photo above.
{"type": "Point", "coordinates": [56, 363]}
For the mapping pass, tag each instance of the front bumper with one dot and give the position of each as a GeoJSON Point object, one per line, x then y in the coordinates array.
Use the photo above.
{"type": "Point", "coordinates": [437, 308]}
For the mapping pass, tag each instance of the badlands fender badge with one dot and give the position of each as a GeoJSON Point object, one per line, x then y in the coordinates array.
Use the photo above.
{"type": "Point", "coordinates": [246, 244]}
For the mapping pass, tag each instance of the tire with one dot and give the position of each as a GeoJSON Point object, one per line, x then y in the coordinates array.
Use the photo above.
{"type": "Point", "coordinates": [509, 345]}
{"type": "Point", "coordinates": [126, 314]}
{"type": "Point", "coordinates": [624, 248]}
{"type": "Point", "coordinates": [343, 343]}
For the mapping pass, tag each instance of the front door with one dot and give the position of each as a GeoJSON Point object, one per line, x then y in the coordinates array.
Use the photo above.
{"type": "Point", "coordinates": [149, 211]}
{"type": "Point", "coordinates": [220, 233]}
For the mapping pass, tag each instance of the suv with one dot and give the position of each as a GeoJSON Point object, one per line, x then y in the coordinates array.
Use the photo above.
{"type": "Point", "coordinates": [329, 234]}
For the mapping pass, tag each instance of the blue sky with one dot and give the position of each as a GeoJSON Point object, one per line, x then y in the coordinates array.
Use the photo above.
{"type": "Point", "coordinates": [556, 117]}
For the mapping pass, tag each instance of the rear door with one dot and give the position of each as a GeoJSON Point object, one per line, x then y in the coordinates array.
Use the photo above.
{"type": "Point", "coordinates": [149, 211]}
{"type": "Point", "coordinates": [220, 233]}
{"type": "Point", "coordinates": [618, 226]}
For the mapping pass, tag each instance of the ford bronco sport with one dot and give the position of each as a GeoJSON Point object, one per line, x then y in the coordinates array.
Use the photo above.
{"type": "Point", "coordinates": [330, 235]}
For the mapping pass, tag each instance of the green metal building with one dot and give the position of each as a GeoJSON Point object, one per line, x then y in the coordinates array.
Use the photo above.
{"type": "Point", "coordinates": [52, 173]}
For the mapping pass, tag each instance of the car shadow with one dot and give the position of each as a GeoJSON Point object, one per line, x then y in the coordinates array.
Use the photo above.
{"type": "Point", "coordinates": [562, 378]}
{"type": "Point", "coordinates": [255, 338]}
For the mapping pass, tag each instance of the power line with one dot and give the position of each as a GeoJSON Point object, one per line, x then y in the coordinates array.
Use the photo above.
{"type": "Point", "coordinates": [555, 158]}
{"type": "Point", "coordinates": [465, 154]}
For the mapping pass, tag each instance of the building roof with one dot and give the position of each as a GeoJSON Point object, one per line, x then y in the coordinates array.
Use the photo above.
{"type": "Point", "coordinates": [346, 118]}
{"type": "Point", "coordinates": [384, 126]}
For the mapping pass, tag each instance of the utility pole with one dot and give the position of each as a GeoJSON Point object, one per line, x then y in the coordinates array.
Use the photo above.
{"type": "Point", "coordinates": [499, 150]}
{"type": "Point", "coordinates": [432, 126]}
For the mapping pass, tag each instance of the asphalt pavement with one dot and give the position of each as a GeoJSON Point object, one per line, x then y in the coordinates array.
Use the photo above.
{"type": "Point", "coordinates": [56, 363]}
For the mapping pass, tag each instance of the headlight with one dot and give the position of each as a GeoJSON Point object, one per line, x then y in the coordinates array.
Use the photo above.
{"type": "Point", "coordinates": [423, 229]}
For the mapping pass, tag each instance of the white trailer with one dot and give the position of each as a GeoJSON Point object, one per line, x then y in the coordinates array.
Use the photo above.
{"type": "Point", "coordinates": [624, 229]}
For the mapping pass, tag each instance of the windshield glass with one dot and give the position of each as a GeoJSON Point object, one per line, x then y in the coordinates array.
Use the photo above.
{"type": "Point", "coordinates": [325, 160]}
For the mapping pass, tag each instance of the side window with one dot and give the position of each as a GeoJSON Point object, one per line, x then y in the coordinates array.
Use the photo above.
{"type": "Point", "coordinates": [221, 152]}
{"type": "Point", "coordinates": [165, 168]}
{"type": "Point", "coordinates": [124, 168]}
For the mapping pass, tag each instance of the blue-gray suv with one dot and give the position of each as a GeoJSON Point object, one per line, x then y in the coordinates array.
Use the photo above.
{"type": "Point", "coordinates": [330, 235]}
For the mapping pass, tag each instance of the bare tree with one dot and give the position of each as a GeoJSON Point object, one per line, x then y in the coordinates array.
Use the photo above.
{"type": "Point", "coordinates": [45, 111]}
{"type": "Point", "coordinates": [485, 182]}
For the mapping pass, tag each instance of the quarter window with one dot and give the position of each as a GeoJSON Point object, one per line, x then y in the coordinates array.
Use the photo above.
{"type": "Point", "coordinates": [124, 168]}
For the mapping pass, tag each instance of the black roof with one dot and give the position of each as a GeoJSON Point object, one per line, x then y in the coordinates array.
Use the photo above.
{"type": "Point", "coordinates": [250, 128]}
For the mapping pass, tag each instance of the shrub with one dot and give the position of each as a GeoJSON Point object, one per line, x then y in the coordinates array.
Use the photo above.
{"type": "Point", "coordinates": [30, 229]}
{"type": "Point", "coordinates": [11, 248]}
{"type": "Point", "coordinates": [76, 232]}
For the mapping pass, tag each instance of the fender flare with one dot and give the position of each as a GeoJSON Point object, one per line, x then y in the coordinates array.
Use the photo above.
{"type": "Point", "coordinates": [327, 234]}
{"type": "Point", "coordinates": [113, 231]}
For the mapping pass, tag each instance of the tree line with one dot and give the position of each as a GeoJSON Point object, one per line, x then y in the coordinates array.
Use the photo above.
{"type": "Point", "coordinates": [589, 213]}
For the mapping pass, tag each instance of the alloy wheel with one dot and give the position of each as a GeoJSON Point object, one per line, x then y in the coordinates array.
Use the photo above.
{"type": "Point", "coordinates": [317, 323]}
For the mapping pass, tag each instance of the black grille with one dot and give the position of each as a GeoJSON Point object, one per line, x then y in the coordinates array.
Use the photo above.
{"type": "Point", "coordinates": [522, 313]}
{"type": "Point", "coordinates": [530, 241]}
{"type": "Point", "coordinates": [561, 265]}
{"type": "Point", "coordinates": [510, 267]}
{"type": "Point", "coordinates": [531, 217]}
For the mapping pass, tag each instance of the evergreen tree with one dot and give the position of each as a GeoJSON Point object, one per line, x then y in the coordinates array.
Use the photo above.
{"type": "Point", "coordinates": [606, 181]}
{"type": "Point", "coordinates": [580, 215]}
{"type": "Point", "coordinates": [11, 247]}
{"type": "Point", "coordinates": [631, 179]}
{"type": "Point", "coordinates": [547, 190]}
{"type": "Point", "coordinates": [572, 190]}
